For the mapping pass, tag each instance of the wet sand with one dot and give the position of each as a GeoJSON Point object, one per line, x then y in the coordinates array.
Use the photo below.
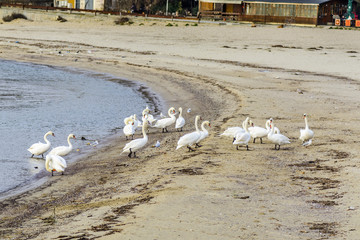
{"type": "Point", "coordinates": [224, 73]}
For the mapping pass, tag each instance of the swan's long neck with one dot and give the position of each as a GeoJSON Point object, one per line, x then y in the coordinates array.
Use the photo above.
{"type": "Point", "coordinates": [196, 123]}
{"type": "Point", "coordinates": [180, 112]}
{"type": "Point", "coordinates": [45, 138]}
{"type": "Point", "coordinates": [267, 125]}
{"type": "Point", "coordinates": [47, 163]}
{"type": "Point", "coordinates": [306, 123]}
{"type": "Point", "coordinates": [246, 126]}
{"type": "Point", "coordinates": [203, 126]}
{"type": "Point", "coordinates": [144, 126]}
{"type": "Point", "coordinates": [272, 129]}
{"type": "Point", "coordinates": [68, 140]}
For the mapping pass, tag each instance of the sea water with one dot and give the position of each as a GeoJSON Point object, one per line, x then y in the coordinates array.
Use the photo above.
{"type": "Point", "coordinates": [35, 99]}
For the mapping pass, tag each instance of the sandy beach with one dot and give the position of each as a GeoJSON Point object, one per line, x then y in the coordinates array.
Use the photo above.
{"type": "Point", "coordinates": [224, 73]}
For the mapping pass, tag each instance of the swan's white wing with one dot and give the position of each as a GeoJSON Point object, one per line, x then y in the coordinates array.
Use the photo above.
{"type": "Point", "coordinates": [161, 123]}
{"type": "Point", "coordinates": [135, 145]}
{"type": "Point", "coordinates": [188, 139]}
{"type": "Point", "coordinates": [242, 138]}
{"type": "Point", "coordinates": [257, 132]}
{"type": "Point", "coordinates": [55, 162]}
{"type": "Point", "coordinates": [38, 148]}
{"type": "Point", "coordinates": [180, 122]}
{"type": "Point", "coordinates": [232, 131]}
{"type": "Point", "coordinates": [61, 150]}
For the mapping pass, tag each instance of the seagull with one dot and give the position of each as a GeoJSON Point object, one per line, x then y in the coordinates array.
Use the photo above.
{"type": "Point", "coordinates": [189, 110]}
{"type": "Point", "coordinates": [308, 143]}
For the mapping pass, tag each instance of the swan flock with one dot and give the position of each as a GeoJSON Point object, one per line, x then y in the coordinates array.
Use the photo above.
{"type": "Point", "coordinates": [54, 161]}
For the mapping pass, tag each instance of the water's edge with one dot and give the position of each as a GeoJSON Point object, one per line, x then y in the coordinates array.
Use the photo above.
{"type": "Point", "coordinates": [153, 100]}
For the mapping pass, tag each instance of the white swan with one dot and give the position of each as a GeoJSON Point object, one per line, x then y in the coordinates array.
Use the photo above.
{"type": "Point", "coordinates": [129, 129]}
{"type": "Point", "coordinates": [243, 138]}
{"type": "Point", "coordinates": [40, 148]}
{"type": "Point", "coordinates": [55, 163]}
{"type": "Point", "coordinates": [137, 123]}
{"type": "Point", "coordinates": [166, 122]}
{"type": "Point", "coordinates": [147, 116]}
{"type": "Point", "coordinates": [180, 121]}
{"type": "Point", "coordinates": [138, 143]}
{"type": "Point", "coordinates": [259, 132]}
{"type": "Point", "coordinates": [267, 125]}
{"type": "Point", "coordinates": [203, 133]}
{"type": "Point", "coordinates": [63, 150]}
{"type": "Point", "coordinates": [190, 139]}
{"type": "Point", "coordinates": [128, 119]}
{"type": "Point", "coordinates": [277, 138]}
{"type": "Point", "coordinates": [232, 131]}
{"type": "Point", "coordinates": [306, 134]}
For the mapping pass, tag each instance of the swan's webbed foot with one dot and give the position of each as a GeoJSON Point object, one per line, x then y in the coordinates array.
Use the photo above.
{"type": "Point", "coordinates": [126, 137]}
{"type": "Point", "coordinates": [129, 155]}
{"type": "Point", "coordinates": [198, 145]}
{"type": "Point", "coordinates": [247, 147]}
{"type": "Point", "coordinates": [166, 130]}
{"type": "Point", "coordinates": [32, 156]}
{"type": "Point", "coordinates": [237, 147]}
{"type": "Point", "coordinates": [134, 155]}
{"type": "Point", "coordinates": [42, 155]}
{"type": "Point", "coordinates": [62, 173]}
{"type": "Point", "coordinates": [254, 140]}
{"type": "Point", "coordinates": [261, 140]}
{"type": "Point", "coordinates": [52, 172]}
{"type": "Point", "coordinates": [190, 149]}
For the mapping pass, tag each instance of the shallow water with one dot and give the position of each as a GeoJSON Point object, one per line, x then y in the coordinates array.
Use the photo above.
{"type": "Point", "coordinates": [36, 98]}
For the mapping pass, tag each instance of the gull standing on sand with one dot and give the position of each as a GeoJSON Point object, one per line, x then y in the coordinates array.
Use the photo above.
{"type": "Point", "coordinates": [138, 143]}
{"type": "Point", "coordinates": [63, 150]}
{"type": "Point", "coordinates": [40, 148]}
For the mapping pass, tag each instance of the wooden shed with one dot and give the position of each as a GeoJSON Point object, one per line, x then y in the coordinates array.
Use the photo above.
{"type": "Point", "coordinates": [312, 12]}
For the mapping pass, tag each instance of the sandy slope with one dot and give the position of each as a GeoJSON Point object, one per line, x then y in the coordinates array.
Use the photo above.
{"type": "Point", "coordinates": [224, 73]}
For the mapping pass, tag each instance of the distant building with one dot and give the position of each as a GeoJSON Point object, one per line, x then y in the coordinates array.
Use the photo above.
{"type": "Point", "coordinates": [315, 12]}
{"type": "Point", "coordinates": [81, 4]}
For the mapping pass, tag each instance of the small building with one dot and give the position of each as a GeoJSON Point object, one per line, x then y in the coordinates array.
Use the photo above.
{"type": "Point", "coordinates": [314, 12]}
{"type": "Point", "coordinates": [82, 4]}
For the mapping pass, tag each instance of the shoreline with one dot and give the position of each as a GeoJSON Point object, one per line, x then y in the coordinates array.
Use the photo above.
{"type": "Point", "coordinates": [217, 191]}
{"type": "Point", "coordinates": [40, 178]}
